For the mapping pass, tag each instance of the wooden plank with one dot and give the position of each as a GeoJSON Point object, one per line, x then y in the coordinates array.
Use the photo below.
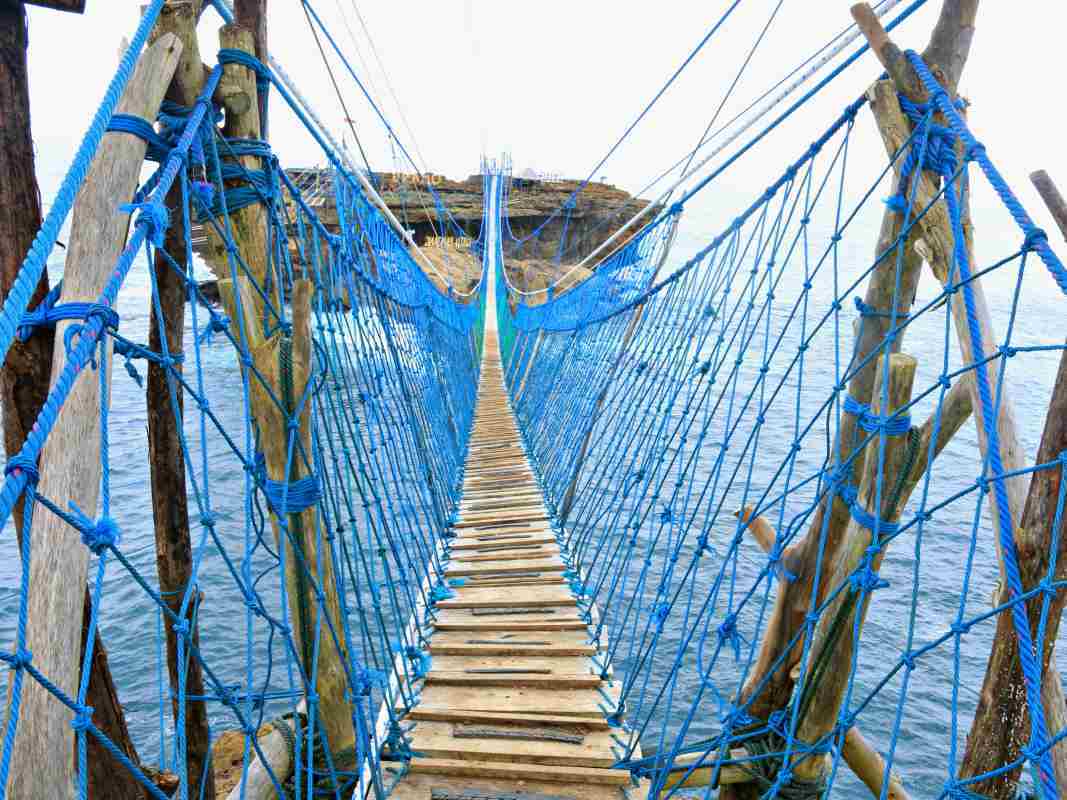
{"type": "Point", "coordinates": [439, 740]}
{"type": "Point", "coordinates": [595, 721]}
{"type": "Point", "coordinates": [422, 786]}
{"type": "Point", "coordinates": [537, 553]}
{"type": "Point", "coordinates": [530, 597]}
{"type": "Point", "coordinates": [41, 760]}
{"type": "Point", "coordinates": [537, 681]}
{"type": "Point", "coordinates": [502, 567]}
{"type": "Point", "coordinates": [73, 6]}
{"type": "Point", "coordinates": [520, 772]}
{"type": "Point", "coordinates": [516, 700]}
{"type": "Point", "coordinates": [466, 543]}
{"type": "Point", "coordinates": [548, 625]}
{"type": "Point", "coordinates": [566, 665]}
{"type": "Point", "coordinates": [456, 649]}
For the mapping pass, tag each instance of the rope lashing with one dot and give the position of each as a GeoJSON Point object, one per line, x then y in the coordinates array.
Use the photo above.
{"type": "Point", "coordinates": [50, 311]}
{"type": "Point", "coordinates": [938, 152]}
{"type": "Point", "coordinates": [27, 466]}
{"type": "Point", "coordinates": [896, 425]}
{"type": "Point", "coordinates": [247, 186]}
{"type": "Point", "coordinates": [287, 498]}
{"type": "Point", "coordinates": [158, 146]}
{"type": "Point", "coordinates": [229, 55]}
{"type": "Point", "coordinates": [870, 311]}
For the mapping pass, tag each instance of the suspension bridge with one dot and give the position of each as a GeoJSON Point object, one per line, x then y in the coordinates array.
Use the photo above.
{"type": "Point", "coordinates": [774, 511]}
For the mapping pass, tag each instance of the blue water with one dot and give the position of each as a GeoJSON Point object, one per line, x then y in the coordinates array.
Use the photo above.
{"type": "Point", "coordinates": [130, 623]}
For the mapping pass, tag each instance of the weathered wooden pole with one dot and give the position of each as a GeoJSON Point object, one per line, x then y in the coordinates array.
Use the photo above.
{"type": "Point", "coordinates": [308, 558]}
{"type": "Point", "coordinates": [70, 463]}
{"type": "Point", "coordinates": [936, 245]}
{"type": "Point", "coordinates": [882, 465]}
{"type": "Point", "coordinates": [1001, 725]}
{"type": "Point", "coordinates": [25, 375]}
{"type": "Point", "coordinates": [170, 504]}
{"type": "Point", "coordinates": [946, 53]}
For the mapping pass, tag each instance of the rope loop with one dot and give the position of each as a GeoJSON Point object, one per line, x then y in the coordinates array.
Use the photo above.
{"type": "Point", "coordinates": [25, 465]}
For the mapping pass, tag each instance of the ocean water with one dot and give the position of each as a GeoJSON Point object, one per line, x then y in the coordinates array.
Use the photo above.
{"type": "Point", "coordinates": [936, 565]}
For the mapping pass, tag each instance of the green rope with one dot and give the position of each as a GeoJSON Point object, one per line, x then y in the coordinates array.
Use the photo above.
{"type": "Point", "coordinates": [764, 767]}
{"type": "Point", "coordinates": [296, 524]}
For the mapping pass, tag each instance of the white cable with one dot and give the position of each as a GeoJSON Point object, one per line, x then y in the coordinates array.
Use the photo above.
{"type": "Point", "coordinates": [368, 187]}
{"type": "Point", "coordinates": [849, 37]}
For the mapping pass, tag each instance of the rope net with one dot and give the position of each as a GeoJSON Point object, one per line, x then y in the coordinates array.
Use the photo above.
{"type": "Point", "coordinates": [790, 474]}
{"type": "Point", "coordinates": [312, 551]}
{"type": "Point", "coordinates": [803, 481]}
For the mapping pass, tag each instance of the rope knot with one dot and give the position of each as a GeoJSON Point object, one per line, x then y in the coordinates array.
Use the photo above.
{"type": "Point", "coordinates": [1034, 238]}
{"type": "Point", "coordinates": [25, 465]}
{"type": "Point", "coordinates": [20, 659]}
{"type": "Point", "coordinates": [152, 216]}
{"type": "Point", "coordinates": [729, 635]}
{"type": "Point", "coordinates": [101, 536]}
{"type": "Point", "coordinates": [866, 579]}
{"type": "Point", "coordinates": [83, 719]}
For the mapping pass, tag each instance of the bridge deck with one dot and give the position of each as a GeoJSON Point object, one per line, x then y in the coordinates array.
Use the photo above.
{"type": "Point", "coordinates": [513, 707]}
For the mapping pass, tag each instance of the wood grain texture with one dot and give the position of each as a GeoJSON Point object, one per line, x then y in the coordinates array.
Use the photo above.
{"type": "Point", "coordinates": [166, 334]}
{"type": "Point", "coordinates": [70, 463]}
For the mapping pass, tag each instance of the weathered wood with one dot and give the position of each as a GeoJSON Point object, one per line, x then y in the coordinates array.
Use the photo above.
{"type": "Point", "coordinates": [1001, 725]}
{"type": "Point", "coordinates": [170, 504]}
{"type": "Point", "coordinates": [1057, 206]}
{"type": "Point", "coordinates": [950, 40]}
{"type": "Point", "coordinates": [25, 375]}
{"type": "Point", "coordinates": [258, 783]}
{"type": "Point", "coordinates": [837, 639]}
{"type": "Point", "coordinates": [520, 772]}
{"type": "Point", "coordinates": [70, 471]}
{"type": "Point", "coordinates": [435, 713]}
{"type": "Point", "coordinates": [308, 558]}
{"type": "Point", "coordinates": [314, 563]}
{"type": "Point", "coordinates": [73, 6]}
{"type": "Point", "coordinates": [868, 765]}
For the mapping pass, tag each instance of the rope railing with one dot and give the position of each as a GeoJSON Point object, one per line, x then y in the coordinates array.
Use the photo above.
{"type": "Point", "coordinates": [750, 499]}
{"type": "Point", "coordinates": [378, 372]}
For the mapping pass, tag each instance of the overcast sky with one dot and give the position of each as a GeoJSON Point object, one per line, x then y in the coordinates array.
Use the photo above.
{"type": "Point", "coordinates": [556, 82]}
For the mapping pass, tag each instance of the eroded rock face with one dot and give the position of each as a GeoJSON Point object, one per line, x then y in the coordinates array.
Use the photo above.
{"type": "Point", "coordinates": [535, 260]}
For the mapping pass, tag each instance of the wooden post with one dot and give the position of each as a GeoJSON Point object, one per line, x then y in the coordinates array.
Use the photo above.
{"type": "Point", "coordinates": [1057, 206]}
{"type": "Point", "coordinates": [25, 375]}
{"type": "Point", "coordinates": [936, 244]}
{"type": "Point", "coordinates": [74, 6]}
{"type": "Point", "coordinates": [1001, 725]}
{"type": "Point", "coordinates": [946, 54]}
{"type": "Point", "coordinates": [837, 639]}
{"type": "Point", "coordinates": [237, 90]}
{"type": "Point", "coordinates": [70, 471]}
{"type": "Point", "coordinates": [170, 504]}
{"type": "Point", "coordinates": [252, 15]}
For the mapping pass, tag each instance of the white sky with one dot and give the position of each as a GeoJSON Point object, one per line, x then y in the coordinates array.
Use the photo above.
{"type": "Point", "coordinates": [556, 82]}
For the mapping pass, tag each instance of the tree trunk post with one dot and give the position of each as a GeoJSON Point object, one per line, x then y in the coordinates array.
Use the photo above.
{"type": "Point", "coordinates": [1001, 725]}
{"type": "Point", "coordinates": [69, 465]}
{"type": "Point", "coordinates": [247, 306]}
{"type": "Point", "coordinates": [170, 503]}
{"type": "Point", "coordinates": [935, 244]}
{"type": "Point", "coordinates": [25, 375]}
{"type": "Point", "coordinates": [883, 464]}
{"type": "Point", "coordinates": [947, 53]}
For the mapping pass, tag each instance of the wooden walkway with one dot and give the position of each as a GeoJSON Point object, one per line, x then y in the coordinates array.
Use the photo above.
{"type": "Point", "coordinates": [513, 707]}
